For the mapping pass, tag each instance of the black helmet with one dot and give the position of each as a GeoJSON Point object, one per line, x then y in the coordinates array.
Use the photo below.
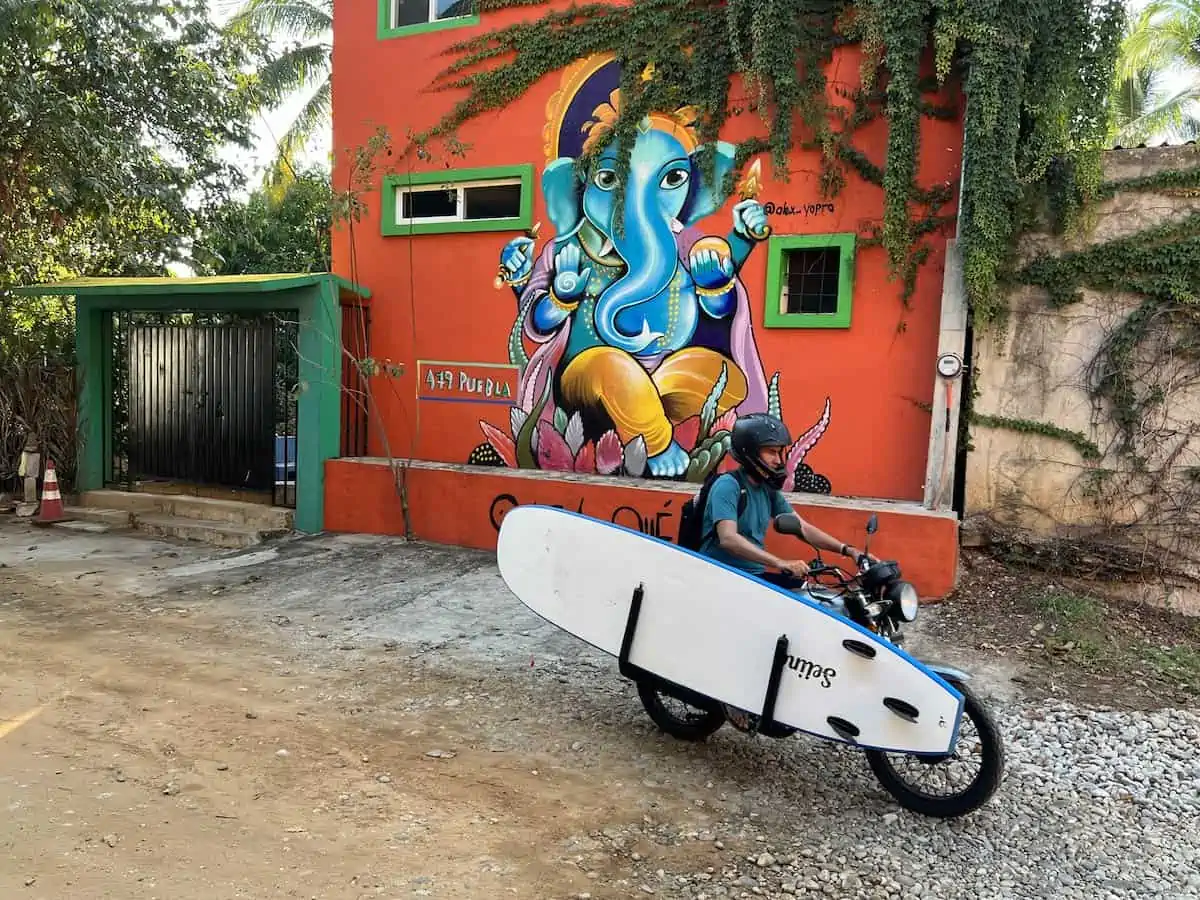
{"type": "Point", "coordinates": [753, 432]}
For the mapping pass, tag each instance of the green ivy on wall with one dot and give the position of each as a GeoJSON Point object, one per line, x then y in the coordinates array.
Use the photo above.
{"type": "Point", "coordinates": [1035, 73]}
{"type": "Point", "coordinates": [1161, 266]}
{"type": "Point", "coordinates": [1087, 449]}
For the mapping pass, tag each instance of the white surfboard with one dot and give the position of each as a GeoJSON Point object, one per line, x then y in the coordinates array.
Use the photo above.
{"type": "Point", "coordinates": [713, 629]}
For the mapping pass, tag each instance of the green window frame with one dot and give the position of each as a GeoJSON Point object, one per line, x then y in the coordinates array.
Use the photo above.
{"type": "Point", "coordinates": [775, 314]}
{"type": "Point", "coordinates": [395, 185]}
{"type": "Point", "coordinates": [388, 30]}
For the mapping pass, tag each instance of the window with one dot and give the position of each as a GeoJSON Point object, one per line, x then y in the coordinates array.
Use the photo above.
{"type": "Point", "coordinates": [459, 202]}
{"type": "Point", "coordinates": [497, 199]}
{"type": "Point", "coordinates": [402, 17]}
{"type": "Point", "coordinates": [810, 281]}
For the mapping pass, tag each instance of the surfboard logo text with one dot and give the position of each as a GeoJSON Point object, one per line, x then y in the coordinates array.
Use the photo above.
{"type": "Point", "coordinates": [806, 669]}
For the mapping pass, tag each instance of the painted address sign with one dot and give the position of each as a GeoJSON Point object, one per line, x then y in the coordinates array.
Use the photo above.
{"type": "Point", "coordinates": [466, 382]}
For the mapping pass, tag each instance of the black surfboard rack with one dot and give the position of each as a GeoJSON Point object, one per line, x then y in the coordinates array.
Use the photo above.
{"type": "Point", "coordinates": [636, 673]}
{"type": "Point", "coordinates": [628, 669]}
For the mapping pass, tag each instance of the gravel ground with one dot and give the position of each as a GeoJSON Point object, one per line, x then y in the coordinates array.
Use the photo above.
{"type": "Point", "coordinates": [1097, 803]}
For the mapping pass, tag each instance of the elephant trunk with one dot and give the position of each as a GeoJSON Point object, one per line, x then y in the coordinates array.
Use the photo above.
{"type": "Point", "coordinates": [651, 259]}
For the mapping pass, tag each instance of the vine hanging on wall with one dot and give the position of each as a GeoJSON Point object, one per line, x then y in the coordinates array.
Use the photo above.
{"type": "Point", "coordinates": [1161, 265]}
{"type": "Point", "coordinates": [1036, 74]}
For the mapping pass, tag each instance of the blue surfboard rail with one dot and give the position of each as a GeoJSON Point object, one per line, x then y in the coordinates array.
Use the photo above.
{"type": "Point", "coordinates": [873, 638]}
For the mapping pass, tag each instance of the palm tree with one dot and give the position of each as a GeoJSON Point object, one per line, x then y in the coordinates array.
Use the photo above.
{"type": "Point", "coordinates": [302, 67]}
{"type": "Point", "coordinates": [1157, 86]}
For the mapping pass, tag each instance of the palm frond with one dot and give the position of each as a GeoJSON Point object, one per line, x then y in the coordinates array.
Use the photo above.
{"type": "Point", "coordinates": [305, 19]}
{"type": "Point", "coordinates": [1146, 106]}
{"type": "Point", "coordinates": [1165, 34]}
{"type": "Point", "coordinates": [298, 69]}
{"type": "Point", "coordinates": [1129, 97]}
{"type": "Point", "coordinates": [314, 116]}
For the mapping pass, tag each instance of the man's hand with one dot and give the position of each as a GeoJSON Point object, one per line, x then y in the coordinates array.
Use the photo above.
{"type": "Point", "coordinates": [795, 567]}
{"type": "Point", "coordinates": [855, 554]}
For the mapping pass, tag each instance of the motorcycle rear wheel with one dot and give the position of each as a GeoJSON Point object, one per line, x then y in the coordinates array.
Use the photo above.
{"type": "Point", "coordinates": [695, 724]}
{"type": "Point", "coordinates": [970, 798]}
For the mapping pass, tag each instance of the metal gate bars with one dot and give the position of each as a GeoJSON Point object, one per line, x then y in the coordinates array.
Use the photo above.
{"type": "Point", "coordinates": [207, 400]}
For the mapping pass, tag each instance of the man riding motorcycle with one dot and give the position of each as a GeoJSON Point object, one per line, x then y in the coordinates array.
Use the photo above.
{"type": "Point", "coordinates": [734, 528]}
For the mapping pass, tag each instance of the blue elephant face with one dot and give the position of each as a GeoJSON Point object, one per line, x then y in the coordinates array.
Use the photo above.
{"type": "Point", "coordinates": [665, 183]}
{"type": "Point", "coordinates": [660, 178]}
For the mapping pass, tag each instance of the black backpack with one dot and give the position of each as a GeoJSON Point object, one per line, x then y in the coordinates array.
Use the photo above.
{"type": "Point", "coordinates": [691, 515]}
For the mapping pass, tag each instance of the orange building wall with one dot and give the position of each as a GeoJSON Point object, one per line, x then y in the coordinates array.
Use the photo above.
{"type": "Point", "coordinates": [465, 508]}
{"type": "Point", "coordinates": [432, 295]}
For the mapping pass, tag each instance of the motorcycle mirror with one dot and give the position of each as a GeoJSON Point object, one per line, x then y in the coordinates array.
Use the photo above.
{"type": "Point", "coordinates": [872, 527]}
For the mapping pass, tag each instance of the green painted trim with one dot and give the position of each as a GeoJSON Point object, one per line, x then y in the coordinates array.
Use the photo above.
{"type": "Point", "coordinates": [217, 284]}
{"type": "Point", "coordinates": [385, 31]}
{"type": "Point", "coordinates": [106, 385]}
{"type": "Point", "coordinates": [393, 183]}
{"type": "Point", "coordinates": [93, 412]}
{"type": "Point", "coordinates": [318, 417]}
{"type": "Point", "coordinates": [317, 303]}
{"type": "Point", "coordinates": [777, 245]}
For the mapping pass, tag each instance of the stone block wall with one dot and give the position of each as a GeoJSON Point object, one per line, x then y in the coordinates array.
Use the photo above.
{"type": "Point", "coordinates": [1039, 370]}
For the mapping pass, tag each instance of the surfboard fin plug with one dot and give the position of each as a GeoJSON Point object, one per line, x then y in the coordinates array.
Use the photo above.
{"type": "Point", "coordinates": [859, 648]}
{"type": "Point", "coordinates": [848, 730]}
{"type": "Point", "coordinates": [902, 708]}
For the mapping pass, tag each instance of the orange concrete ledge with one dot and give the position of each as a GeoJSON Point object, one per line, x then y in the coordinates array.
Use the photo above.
{"type": "Point", "coordinates": [464, 505]}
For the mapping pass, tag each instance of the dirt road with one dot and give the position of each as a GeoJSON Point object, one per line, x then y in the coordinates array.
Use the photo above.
{"type": "Point", "coordinates": [159, 751]}
{"type": "Point", "coordinates": [355, 718]}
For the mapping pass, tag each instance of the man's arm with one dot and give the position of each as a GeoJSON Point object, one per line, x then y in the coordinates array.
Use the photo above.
{"type": "Point", "coordinates": [790, 523]}
{"type": "Point", "coordinates": [723, 501]}
{"type": "Point", "coordinates": [732, 542]}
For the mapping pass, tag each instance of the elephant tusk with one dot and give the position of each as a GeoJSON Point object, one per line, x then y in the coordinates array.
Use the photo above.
{"type": "Point", "coordinates": [647, 336]}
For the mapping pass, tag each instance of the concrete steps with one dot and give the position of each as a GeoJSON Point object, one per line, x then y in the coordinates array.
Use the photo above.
{"type": "Point", "coordinates": [115, 519]}
{"type": "Point", "coordinates": [218, 534]}
{"type": "Point", "coordinates": [233, 524]}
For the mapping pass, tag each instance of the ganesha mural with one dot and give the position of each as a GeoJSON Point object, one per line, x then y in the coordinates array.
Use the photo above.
{"type": "Point", "coordinates": [643, 351]}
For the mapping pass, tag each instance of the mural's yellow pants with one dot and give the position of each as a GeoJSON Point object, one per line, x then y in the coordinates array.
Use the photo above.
{"type": "Point", "coordinates": [645, 404]}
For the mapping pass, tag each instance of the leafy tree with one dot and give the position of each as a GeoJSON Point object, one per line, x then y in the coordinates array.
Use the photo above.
{"type": "Point", "coordinates": [1161, 46]}
{"type": "Point", "coordinates": [304, 66]}
{"type": "Point", "coordinates": [286, 231]}
{"type": "Point", "coordinates": [112, 119]}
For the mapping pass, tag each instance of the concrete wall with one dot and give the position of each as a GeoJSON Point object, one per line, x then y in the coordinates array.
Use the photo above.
{"type": "Point", "coordinates": [464, 506]}
{"type": "Point", "coordinates": [1039, 370]}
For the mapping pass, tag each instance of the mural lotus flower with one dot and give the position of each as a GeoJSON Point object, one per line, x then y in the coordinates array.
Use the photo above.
{"type": "Point", "coordinates": [545, 437]}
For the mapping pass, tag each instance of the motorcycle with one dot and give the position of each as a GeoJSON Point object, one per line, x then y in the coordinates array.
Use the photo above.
{"type": "Point", "coordinates": [878, 599]}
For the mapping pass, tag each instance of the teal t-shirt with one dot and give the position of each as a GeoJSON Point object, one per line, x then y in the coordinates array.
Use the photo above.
{"type": "Point", "coordinates": [763, 504]}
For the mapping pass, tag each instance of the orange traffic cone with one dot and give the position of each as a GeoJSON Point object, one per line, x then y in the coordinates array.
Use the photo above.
{"type": "Point", "coordinates": [51, 510]}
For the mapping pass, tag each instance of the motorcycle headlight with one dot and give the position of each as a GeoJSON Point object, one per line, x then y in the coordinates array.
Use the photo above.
{"type": "Point", "coordinates": [904, 600]}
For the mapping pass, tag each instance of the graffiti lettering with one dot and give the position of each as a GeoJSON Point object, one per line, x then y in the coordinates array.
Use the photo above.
{"type": "Point", "coordinates": [806, 669]}
{"type": "Point", "coordinates": [651, 524]}
{"type": "Point", "coordinates": [806, 209]}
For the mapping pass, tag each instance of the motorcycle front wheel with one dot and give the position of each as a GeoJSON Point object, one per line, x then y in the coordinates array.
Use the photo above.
{"type": "Point", "coordinates": [907, 777]}
{"type": "Point", "coordinates": [687, 721]}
